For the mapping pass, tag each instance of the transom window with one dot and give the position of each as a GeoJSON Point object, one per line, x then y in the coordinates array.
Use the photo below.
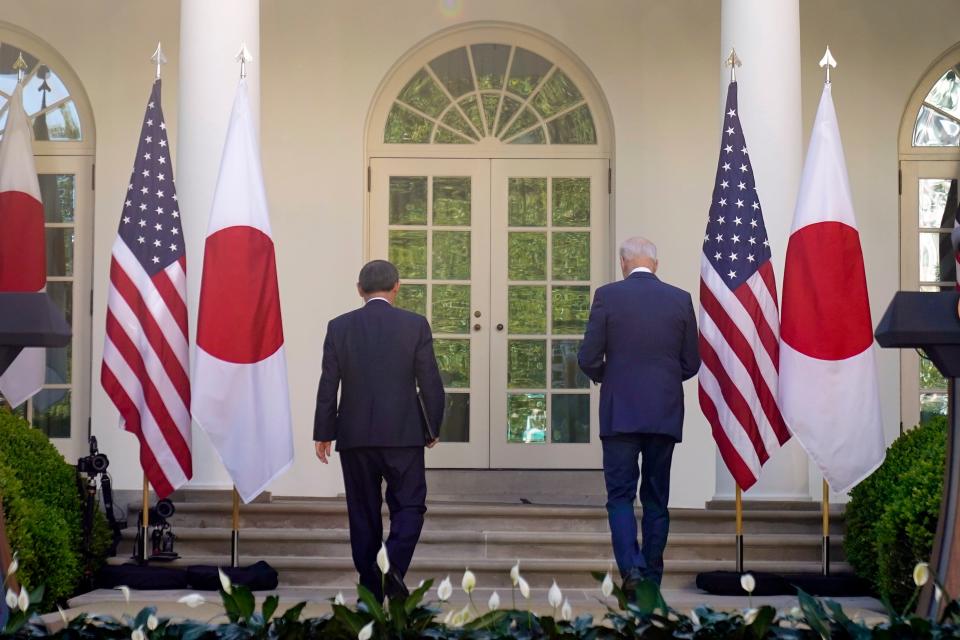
{"type": "Point", "coordinates": [490, 91]}
{"type": "Point", "coordinates": [938, 121]}
{"type": "Point", "coordinates": [46, 99]}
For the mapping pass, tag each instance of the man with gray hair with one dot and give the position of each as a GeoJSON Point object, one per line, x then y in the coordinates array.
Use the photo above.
{"type": "Point", "coordinates": [640, 345]}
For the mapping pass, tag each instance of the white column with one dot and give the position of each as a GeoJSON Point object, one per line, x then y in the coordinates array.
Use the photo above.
{"type": "Point", "coordinates": [766, 35]}
{"type": "Point", "coordinates": [211, 32]}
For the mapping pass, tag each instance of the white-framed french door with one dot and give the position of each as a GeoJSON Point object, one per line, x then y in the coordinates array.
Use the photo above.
{"type": "Point", "coordinates": [549, 243]}
{"type": "Point", "coordinates": [502, 256]}
{"type": "Point", "coordinates": [431, 219]}
{"type": "Point", "coordinates": [61, 409]}
{"type": "Point", "coordinates": [928, 204]}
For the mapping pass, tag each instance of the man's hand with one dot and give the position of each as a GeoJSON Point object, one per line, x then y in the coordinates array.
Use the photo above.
{"type": "Point", "coordinates": [323, 450]}
{"type": "Point", "coordinates": [433, 443]}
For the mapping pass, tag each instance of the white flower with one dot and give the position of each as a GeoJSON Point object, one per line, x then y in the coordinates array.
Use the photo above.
{"type": "Point", "coordinates": [515, 574]}
{"type": "Point", "coordinates": [338, 599]}
{"type": "Point", "coordinates": [554, 596]}
{"type": "Point", "coordinates": [921, 574]}
{"type": "Point", "coordinates": [138, 634]}
{"type": "Point", "coordinates": [23, 600]}
{"type": "Point", "coordinates": [63, 614]}
{"type": "Point", "coordinates": [749, 616]}
{"type": "Point", "coordinates": [469, 582]}
{"type": "Point", "coordinates": [11, 599]}
{"type": "Point", "coordinates": [383, 560]}
{"type": "Point", "coordinates": [367, 632]}
{"type": "Point", "coordinates": [461, 617]}
{"type": "Point", "coordinates": [192, 600]}
{"type": "Point", "coordinates": [606, 587]}
{"type": "Point", "coordinates": [524, 587]}
{"type": "Point", "coordinates": [937, 593]}
{"type": "Point", "coordinates": [796, 612]}
{"type": "Point", "coordinates": [695, 619]}
{"type": "Point", "coordinates": [225, 583]}
{"type": "Point", "coordinates": [152, 622]}
{"type": "Point", "coordinates": [566, 611]}
{"type": "Point", "coordinates": [448, 618]}
{"type": "Point", "coordinates": [494, 602]}
{"type": "Point", "coordinates": [125, 590]}
{"type": "Point", "coordinates": [445, 590]}
{"type": "Point", "coordinates": [14, 565]}
{"type": "Point", "coordinates": [748, 582]}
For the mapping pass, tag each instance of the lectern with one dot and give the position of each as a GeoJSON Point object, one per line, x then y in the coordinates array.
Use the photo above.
{"type": "Point", "coordinates": [930, 321]}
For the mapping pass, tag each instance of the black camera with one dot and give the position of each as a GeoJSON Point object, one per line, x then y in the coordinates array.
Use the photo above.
{"type": "Point", "coordinates": [162, 537]}
{"type": "Point", "coordinates": [94, 463]}
{"type": "Point", "coordinates": [160, 512]}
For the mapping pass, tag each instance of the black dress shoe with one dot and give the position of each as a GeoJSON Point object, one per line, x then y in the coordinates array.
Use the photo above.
{"type": "Point", "coordinates": [631, 582]}
{"type": "Point", "coordinates": [393, 586]}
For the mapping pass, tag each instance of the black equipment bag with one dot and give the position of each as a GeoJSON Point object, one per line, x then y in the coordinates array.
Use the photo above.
{"type": "Point", "coordinates": [259, 576]}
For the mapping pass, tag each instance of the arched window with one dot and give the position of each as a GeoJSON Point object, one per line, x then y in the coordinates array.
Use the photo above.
{"type": "Point", "coordinates": [63, 147]}
{"type": "Point", "coordinates": [929, 175]}
{"type": "Point", "coordinates": [490, 90]}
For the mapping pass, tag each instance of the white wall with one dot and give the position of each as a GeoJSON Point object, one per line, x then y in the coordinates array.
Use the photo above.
{"type": "Point", "coordinates": [321, 63]}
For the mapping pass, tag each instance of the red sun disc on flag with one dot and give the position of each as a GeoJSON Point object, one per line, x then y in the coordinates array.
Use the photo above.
{"type": "Point", "coordinates": [826, 313]}
{"type": "Point", "coordinates": [239, 319]}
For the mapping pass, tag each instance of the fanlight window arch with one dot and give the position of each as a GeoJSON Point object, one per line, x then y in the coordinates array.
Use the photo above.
{"type": "Point", "coordinates": [490, 91]}
{"type": "Point", "coordinates": [938, 121]}
{"type": "Point", "coordinates": [46, 99]}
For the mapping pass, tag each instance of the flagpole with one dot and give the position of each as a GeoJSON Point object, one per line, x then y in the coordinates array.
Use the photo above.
{"type": "Point", "coordinates": [141, 551]}
{"type": "Point", "coordinates": [739, 503]}
{"type": "Point", "coordinates": [826, 529]}
{"type": "Point", "coordinates": [235, 535]}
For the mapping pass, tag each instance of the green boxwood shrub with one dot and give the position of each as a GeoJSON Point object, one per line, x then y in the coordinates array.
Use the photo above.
{"type": "Point", "coordinates": [43, 512]}
{"type": "Point", "coordinates": [891, 518]}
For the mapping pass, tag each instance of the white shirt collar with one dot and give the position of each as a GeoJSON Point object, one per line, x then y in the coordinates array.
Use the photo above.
{"type": "Point", "coordinates": [641, 269]}
{"type": "Point", "coordinates": [369, 300]}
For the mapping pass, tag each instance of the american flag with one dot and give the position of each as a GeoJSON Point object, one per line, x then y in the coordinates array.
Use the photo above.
{"type": "Point", "coordinates": [739, 316]}
{"type": "Point", "coordinates": [145, 352]}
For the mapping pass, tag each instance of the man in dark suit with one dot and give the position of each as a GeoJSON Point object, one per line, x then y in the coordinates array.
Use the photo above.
{"type": "Point", "coordinates": [379, 355]}
{"type": "Point", "coordinates": [640, 345]}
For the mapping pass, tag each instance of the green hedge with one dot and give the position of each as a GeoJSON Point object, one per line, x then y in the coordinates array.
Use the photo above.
{"type": "Point", "coordinates": [891, 518]}
{"type": "Point", "coordinates": [43, 512]}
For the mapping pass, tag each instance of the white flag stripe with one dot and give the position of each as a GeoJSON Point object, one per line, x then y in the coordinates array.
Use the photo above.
{"type": "Point", "coordinates": [735, 311]}
{"type": "Point", "coordinates": [731, 426]}
{"type": "Point", "coordinates": [148, 424]}
{"type": "Point", "coordinates": [766, 303]}
{"type": "Point", "coordinates": [178, 277]}
{"type": "Point", "coordinates": [741, 380]}
{"type": "Point", "coordinates": [155, 304]}
{"type": "Point", "coordinates": [846, 454]}
{"type": "Point", "coordinates": [178, 411]}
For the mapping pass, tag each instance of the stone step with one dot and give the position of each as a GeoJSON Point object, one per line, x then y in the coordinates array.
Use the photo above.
{"type": "Point", "coordinates": [331, 514]}
{"type": "Point", "coordinates": [468, 545]}
{"type": "Point", "coordinates": [339, 573]}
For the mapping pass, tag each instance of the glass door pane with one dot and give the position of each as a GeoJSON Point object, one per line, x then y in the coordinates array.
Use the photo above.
{"type": "Point", "coordinates": [431, 219]}
{"type": "Point", "coordinates": [548, 254]}
{"type": "Point", "coordinates": [928, 212]}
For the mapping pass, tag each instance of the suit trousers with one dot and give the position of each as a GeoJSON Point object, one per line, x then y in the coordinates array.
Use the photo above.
{"type": "Point", "coordinates": [364, 471]}
{"type": "Point", "coordinates": [621, 473]}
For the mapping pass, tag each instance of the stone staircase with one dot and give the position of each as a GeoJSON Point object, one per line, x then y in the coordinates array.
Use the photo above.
{"type": "Point", "coordinates": [307, 540]}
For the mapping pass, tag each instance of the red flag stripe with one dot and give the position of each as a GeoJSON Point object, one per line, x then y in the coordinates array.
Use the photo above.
{"type": "Point", "coordinates": [154, 401]}
{"type": "Point", "coordinates": [767, 338]}
{"type": "Point", "coordinates": [733, 398]}
{"type": "Point", "coordinates": [728, 422]}
{"type": "Point", "coordinates": [151, 330]}
{"type": "Point", "coordinates": [731, 339]}
{"type": "Point", "coordinates": [765, 301]}
{"type": "Point", "coordinates": [744, 477]}
{"type": "Point", "coordinates": [131, 418]}
{"type": "Point", "coordinates": [766, 272]}
{"type": "Point", "coordinates": [168, 290]}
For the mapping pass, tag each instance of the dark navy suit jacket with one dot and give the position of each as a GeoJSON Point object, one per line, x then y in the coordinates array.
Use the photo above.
{"type": "Point", "coordinates": [378, 355]}
{"type": "Point", "coordinates": [641, 344]}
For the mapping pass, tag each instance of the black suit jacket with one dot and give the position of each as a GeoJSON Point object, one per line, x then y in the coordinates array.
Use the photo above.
{"type": "Point", "coordinates": [378, 355]}
{"type": "Point", "coordinates": [641, 344]}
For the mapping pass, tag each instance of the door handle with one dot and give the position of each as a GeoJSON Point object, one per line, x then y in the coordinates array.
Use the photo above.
{"type": "Point", "coordinates": [500, 327]}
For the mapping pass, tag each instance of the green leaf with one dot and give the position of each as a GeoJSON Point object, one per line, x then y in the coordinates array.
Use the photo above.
{"type": "Point", "coordinates": [765, 616]}
{"type": "Point", "coordinates": [398, 614]}
{"type": "Point", "coordinates": [648, 598]}
{"type": "Point", "coordinates": [813, 613]}
{"type": "Point", "coordinates": [374, 607]}
{"type": "Point", "coordinates": [417, 596]}
{"type": "Point", "coordinates": [269, 607]}
{"type": "Point", "coordinates": [353, 620]}
{"type": "Point", "coordinates": [293, 613]}
{"type": "Point", "coordinates": [246, 603]}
